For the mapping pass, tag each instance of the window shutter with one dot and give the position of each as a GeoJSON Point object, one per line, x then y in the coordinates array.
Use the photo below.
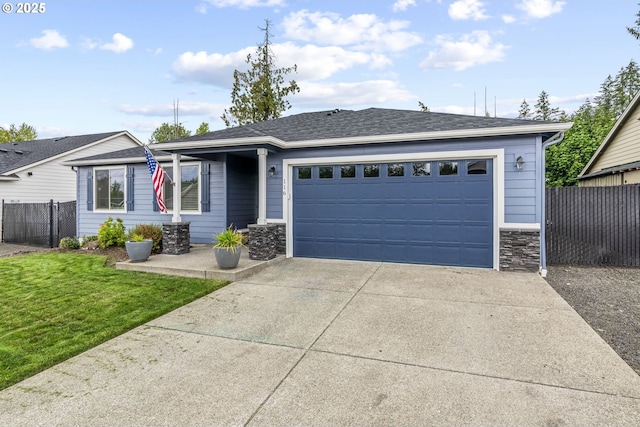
{"type": "Point", "coordinates": [130, 174]}
{"type": "Point", "coordinates": [205, 187]}
{"type": "Point", "coordinates": [155, 201]}
{"type": "Point", "coordinates": [90, 189]}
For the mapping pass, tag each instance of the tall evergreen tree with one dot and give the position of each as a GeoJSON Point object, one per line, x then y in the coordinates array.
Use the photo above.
{"type": "Point", "coordinates": [525, 111]}
{"type": "Point", "coordinates": [259, 93]}
{"type": "Point", "coordinates": [543, 109]}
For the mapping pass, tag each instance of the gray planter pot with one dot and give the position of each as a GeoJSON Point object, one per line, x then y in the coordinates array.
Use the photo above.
{"type": "Point", "coordinates": [139, 251]}
{"type": "Point", "coordinates": [227, 259]}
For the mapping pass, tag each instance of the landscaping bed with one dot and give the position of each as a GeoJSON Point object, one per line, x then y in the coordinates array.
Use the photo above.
{"type": "Point", "coordinates": [608, 299]}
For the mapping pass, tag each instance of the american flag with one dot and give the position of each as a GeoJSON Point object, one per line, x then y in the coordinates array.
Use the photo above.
{"type": "Point", "coordinates": [157, 176]}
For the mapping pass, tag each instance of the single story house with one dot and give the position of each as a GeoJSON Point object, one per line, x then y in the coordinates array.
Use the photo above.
{"type": "Point", "coordinates": [375, 184]}
{"type": "Point", "coordinates": [617, 159]}
{"type": "Point", "coordinates": [32, 171]}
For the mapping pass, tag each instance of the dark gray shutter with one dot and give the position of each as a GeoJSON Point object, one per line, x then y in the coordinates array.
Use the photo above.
{"type": "Point", "coordinates": [205, 187]}
{"type": "Point", "coordinates": [130, 174]}
{"type": "Point", "coordinates": [90, 189]}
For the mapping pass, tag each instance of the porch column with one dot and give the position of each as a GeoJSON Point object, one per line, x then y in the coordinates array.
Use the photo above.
{"type": "Point", "coordinates": [177, 191]}
{"type": "Point", "coordinates": [262, 186]}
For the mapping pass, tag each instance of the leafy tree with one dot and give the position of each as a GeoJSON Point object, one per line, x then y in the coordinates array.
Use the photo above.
{"type": "Point", "coordinates": [203, 128]}
{"type": "Point", "coordinates": [166, 132]}
{"type": "Point", "coordinates": [423, 107]}
{"type": "Point", "coordinates": [591, 124]}
{"type": "Point", "coordinates": [22, 133]}
{"type": "Point", "coordinates": [525, 111]}
{"type": "Point", "coordinates": [259, 93]}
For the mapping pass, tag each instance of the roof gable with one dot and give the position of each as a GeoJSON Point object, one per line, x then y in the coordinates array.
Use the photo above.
{"type": "Point", "coordinates": [17, 155]}
{"type": "Point", "coordinates": [627, 123]}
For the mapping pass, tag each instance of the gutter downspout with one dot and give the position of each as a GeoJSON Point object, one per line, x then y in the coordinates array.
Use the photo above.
{"type": "Point", "coordinates": [558, 137]}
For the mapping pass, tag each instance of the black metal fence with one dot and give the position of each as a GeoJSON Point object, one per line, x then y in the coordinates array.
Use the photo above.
{"type": "Point", "coordinates": [593, 225]}
{"type": "Point", "coordinates": [41, 224]}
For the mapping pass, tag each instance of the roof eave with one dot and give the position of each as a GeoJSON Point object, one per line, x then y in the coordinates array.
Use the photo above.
{"type": "Point", "coordinates": [121, 161]}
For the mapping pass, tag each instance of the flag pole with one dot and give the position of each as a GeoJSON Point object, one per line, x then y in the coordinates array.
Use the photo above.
{"type": "Point", "coordinates": [146, 147]}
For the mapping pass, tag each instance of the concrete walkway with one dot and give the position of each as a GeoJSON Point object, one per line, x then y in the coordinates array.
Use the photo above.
{"type": "Point", "coordinates": [315, 342]}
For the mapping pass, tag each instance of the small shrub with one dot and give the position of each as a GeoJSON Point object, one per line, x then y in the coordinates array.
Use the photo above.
{"type": "Point", "coordinates": [111, 233]}
{"type": "Point", "coordinates": [149, 231]}
{"type": "Point", "coordinates": [90, 238]}
{"type": "Point", "coordinates": [70, 243]}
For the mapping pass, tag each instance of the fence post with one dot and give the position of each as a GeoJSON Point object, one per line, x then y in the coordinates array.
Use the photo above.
{"type": "Point", "coordinates": [2, 222]}
{"type": "Point", "coordinates": [51, 223]}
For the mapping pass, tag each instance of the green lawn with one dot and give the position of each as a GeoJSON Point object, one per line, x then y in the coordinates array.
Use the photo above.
{"type": "Point", "coordinates": [56, 305]}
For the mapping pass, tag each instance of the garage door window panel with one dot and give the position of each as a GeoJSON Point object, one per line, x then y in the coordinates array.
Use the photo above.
{"type": "Point", "coordinates": [395, 169]}
{"type": "Point", "coordinates": [371, 171]}
{"type": "Point", "coordinates": [421, 169]}
{"type": "Point", "coordinates": [448, 168]}
{"type": "Point", "coordinates": [325, 172]}
{"type": "Point", "coordinates": [348, 171]}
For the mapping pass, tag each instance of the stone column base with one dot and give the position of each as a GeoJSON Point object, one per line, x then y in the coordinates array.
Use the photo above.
{"type": "Point", "coordinates": [263, 241]}
{"type": "Point", "coordinates": [175, 238]}
{"type": "Point", "coordinates": [520, 250]}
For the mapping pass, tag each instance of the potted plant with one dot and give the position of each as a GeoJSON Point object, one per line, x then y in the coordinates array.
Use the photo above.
{"type": "Point", "coordinates": [138, 248]}
{"type": "Point", "coordinates": [228, 247]}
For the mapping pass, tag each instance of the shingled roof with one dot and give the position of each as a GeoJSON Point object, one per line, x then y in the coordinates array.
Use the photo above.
{"type": "Point", "coordinates": [332, 124]}
{"type": "Point", "coordinates": [15, 155]}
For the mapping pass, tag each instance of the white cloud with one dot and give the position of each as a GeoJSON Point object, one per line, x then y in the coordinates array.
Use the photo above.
{"type": "Point", "coordinates": [185, 108]}
{"type": "Point", "coordinates": [472, 49]}
{"type": "Point", "coordinates": [241, 4]}
{"type": "Point", "coordinates": [508, 19]}
{"type": "Point", "coordinates": [401, 5]}
{"type": "Point", "coordinates": [313, 63]}
{"type": "Point", "coordinates": [338, 95]}
{"type": "Point", "coordinates": [51, 39]}
{"type": "Point", "coordinates": [467, 9]}
{"type": "Point", "coordinates": [120, 44]}
{"type": "Point", "coordinates": [540, 8]}
{"type": "Point", "coordinates": [361, 31]}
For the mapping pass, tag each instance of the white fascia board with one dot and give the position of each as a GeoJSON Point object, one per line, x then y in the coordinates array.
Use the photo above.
{"type": "Point", "coordinates": [9, 178]}
{"type": "Point", "coordinates": [372, 139]}
{"type": "Point", "coordinates": [125, 160]}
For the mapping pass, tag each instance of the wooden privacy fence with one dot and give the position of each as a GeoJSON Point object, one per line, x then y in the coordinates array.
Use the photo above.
{"type": "Point", "coordinates": [593, 225]}
{"type": "Point", "coordinates": [41, 224]}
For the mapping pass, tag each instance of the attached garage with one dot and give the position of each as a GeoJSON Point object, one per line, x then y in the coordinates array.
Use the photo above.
{"type": "Point", "coordinates": [428, 212]}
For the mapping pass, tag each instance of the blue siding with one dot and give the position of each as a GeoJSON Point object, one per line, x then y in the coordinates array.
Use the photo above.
{"type": "Point", "coordinates": [242, 191]}
{"type": "Point", "coordinates": [521, 187]}
{"type": "Point", "coordinates": [202, 226]}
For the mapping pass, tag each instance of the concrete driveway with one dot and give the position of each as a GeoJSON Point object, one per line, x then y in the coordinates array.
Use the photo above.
{"type": "Point", "coordinates": [316, 342]}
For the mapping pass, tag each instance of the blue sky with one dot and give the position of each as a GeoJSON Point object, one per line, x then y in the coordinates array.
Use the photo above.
{"type": "Point", "coordinates": [97, 66]}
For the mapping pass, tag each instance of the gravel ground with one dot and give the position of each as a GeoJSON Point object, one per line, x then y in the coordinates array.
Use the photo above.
{"type": "Point", "coordinates": [608, 299]}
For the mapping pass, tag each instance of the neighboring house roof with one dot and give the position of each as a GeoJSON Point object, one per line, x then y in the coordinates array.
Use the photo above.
{"type": "Point", "coordinates": [17, 155]}
{"type": "Point", "coordinates": [369, 125]}
{"type": "Point", "coordinates": [128, 155]}
{"type": "Point", "coordinates": [628, 114]}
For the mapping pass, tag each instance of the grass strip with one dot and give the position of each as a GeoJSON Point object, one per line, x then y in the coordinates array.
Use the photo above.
{"type": "Point", "coordinates": [57, 305]}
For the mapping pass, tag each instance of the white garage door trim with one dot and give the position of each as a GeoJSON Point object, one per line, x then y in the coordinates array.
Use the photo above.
{"type": "Point", "coordinates": [498, 182]}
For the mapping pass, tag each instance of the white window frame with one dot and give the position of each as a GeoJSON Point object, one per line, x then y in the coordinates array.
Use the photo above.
{"type": "Point", "coordinates": [95, 189]}
{"type": "Point", "coordinates": [168, 182]}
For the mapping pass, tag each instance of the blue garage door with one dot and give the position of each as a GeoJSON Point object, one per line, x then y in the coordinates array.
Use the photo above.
{"type": "Point", "coordinates": [431, 212]}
